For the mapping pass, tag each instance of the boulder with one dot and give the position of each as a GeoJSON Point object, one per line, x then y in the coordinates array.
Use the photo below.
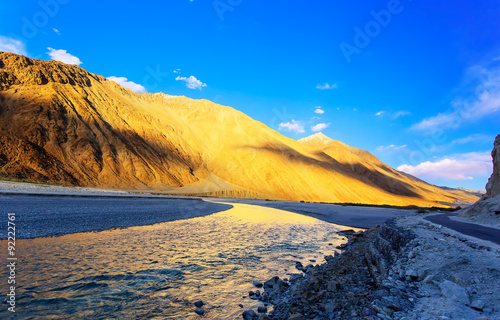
{"type": "Point", "coordinates": [454, 292]}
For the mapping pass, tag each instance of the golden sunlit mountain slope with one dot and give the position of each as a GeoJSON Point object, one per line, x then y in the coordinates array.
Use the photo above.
{"type": "Point", "coordinates": [64, 125]}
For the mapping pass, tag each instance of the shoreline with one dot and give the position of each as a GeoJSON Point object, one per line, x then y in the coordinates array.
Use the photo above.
{"type": "Point", "coordinates": [408, 268]}
{"type": "Point", "coordinates": [355, 216]}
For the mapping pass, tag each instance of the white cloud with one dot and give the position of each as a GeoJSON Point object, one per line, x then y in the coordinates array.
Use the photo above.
{"type": "Point", "coordinates": [442, 120]}
{"type": "Point", "coordinates": [379, 113]}
{"type": "Point", "coordinates": [128, 84]}
{"type": "Point", "coordinates": [63, 56]}
{"type": "Point", "coordinates": [391, 147]}
{"type": "Point", "coordinates": [319, 127]}
{"type": "Point", "coordinates": [177, 71]}
{"type": "Point", "coordinates": [399, 114]}
{"type": "Point", "coordinates": [56, 31]}
{"type": "Point", "coordinates": [485, 101]}
{"type": "Point", "coordinates": [473, 138]}
{"type": "Point", "coordinates": [327, 86]}
{"type": "Point", "coordinates": [293, 125]}
{"type": "Point", "coordinates": [192, 82]}
{"type": "Point", "coordinates": [457, 167]}
{"type": "Point", "coordinates": [12, 45]}
{"type": "Point", "coordinates": [318, 110]}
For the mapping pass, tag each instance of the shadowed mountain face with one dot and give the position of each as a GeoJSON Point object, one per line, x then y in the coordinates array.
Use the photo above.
{"type": "Point", "coordinates": [64, 125]}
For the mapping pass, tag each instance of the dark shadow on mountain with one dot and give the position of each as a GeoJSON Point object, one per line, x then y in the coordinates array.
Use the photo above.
{"type": "Point", "coordinates": [356, 171]}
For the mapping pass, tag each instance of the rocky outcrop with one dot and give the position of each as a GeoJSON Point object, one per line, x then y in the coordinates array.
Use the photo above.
{"type": "Point", "coordinates": [493, 185]}
{"type": "Point", "coordinates": [489, 205]}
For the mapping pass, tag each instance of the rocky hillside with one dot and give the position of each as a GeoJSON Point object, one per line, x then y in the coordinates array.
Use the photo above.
{"type": "Point", "coordinates": [63, 125]}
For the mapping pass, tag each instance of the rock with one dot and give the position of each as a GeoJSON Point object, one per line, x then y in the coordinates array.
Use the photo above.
{"type": "Point", "coordinates": [329, 307]}
{"type": "Point", "coordinates": [489, 204]}
{"type": "Point", "coordinates": [299, 266]}
{"type": "Point", "coordinates": [295, 277]}
{"type": "Point", "coordinates": [422, 274]}
{"type": "Point", "coordinates": [257, 293]}
{"type": "Point", "coordinates": [360, 233]}
{"type": "Point", "coordinates": [257, 284]}
{"type": "Point", "coordinates": [198, 304]}
{"type": "Point", "coordinates": [429, 279]}
{"type": "Point", "coordinates": [412, 273]}
{"type": "Point", "coordinates": [251, 293]}
{"type": "Point", "coordinates": [388, 311]}
{"type": "Point", "coordinates": [383, 316]}
{"type": "Point", "coordinates": [493, 185]}
{"type": "Point", "coordinates": [262, 309]}
{"type": "Point", "coordinates": [329, 259]}
{"type": "Point", "coordinates": [249, 314]}
{"type": "Point", "coordinates": [395, 306]}
{"type": "Point", "coordinates": [269, 284]}
{"type": "Point", "coordinates": [240, 305]}
{"type": "Point", "coordinates": [199, 312]}
{"type": "Point", "coordinates": [477, 305]}
{"type": "Point", "coordinates": [454, 292]}
{"type": "Point", "coordinates": [368, 312]}
{"type": "Point", "coordinates": [320, 294]}
{"type": "Point", "coordinates": [412, 254]}
{"type": "Point", "coordinates": [297, 316]}
{"type": "Point", "coordinates": [313, 281]}
{"type": "Point", "coordinates": [333, 285]}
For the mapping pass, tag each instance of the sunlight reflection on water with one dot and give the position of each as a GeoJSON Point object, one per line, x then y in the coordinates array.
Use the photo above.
{"type": "Point", "coordinates": [159, 271]}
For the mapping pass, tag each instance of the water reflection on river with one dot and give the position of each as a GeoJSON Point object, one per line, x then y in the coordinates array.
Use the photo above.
{"type": "Point", "coordinates": [158, 271]}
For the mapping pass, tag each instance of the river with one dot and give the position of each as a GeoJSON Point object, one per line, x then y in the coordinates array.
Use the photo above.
{"type": "Point", "coordinates": [158, 271]}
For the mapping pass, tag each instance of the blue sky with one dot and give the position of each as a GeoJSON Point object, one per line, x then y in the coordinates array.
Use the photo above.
{"type": "Point", "coordinates": [417, 83]}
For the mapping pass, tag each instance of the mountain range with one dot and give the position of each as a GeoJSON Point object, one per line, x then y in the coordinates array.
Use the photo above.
{"type": "Point", "coordinates": [61, 124]}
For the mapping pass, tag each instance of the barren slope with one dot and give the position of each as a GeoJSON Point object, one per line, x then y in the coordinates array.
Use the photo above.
{"type": "Point", "coordinates": [64, 125]}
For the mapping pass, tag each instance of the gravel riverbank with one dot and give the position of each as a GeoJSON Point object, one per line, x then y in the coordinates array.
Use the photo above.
{"type": "Point", "coordinates": [408, 268]}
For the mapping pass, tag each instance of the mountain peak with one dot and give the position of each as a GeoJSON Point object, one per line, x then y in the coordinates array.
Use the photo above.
{"type": "Point", "coordinates": [316, 137]}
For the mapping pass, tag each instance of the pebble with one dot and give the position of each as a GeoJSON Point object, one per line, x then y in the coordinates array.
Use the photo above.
{"type": "Point", "coordinates": [299, 266]}
{"type": "Point", "coordinates": [329, 307]}
{"type": "Point", "coordinates": [199, 312]}
{"type": "Point", "coordinates": [198, 304]}
{"type": "Point", "coordinates": [249, 313]}
{"type": "Point", "coordinates": [261, 309]}
{"type": "Point", "coordinates": [333, 285]}
{"type": "Point", "coordinates": [257, 284]}
{"type": "Point", "coordinates": [478, 305]}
